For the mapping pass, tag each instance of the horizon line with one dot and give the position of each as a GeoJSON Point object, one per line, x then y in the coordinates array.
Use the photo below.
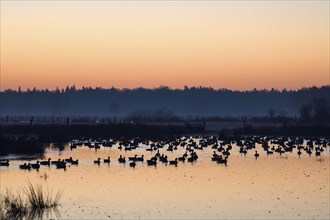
{"type": "Point", "coordinates": [74, 87]}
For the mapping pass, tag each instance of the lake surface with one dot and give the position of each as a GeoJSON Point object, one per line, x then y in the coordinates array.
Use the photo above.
{"type": "Point", "coordinates": [271, 187]}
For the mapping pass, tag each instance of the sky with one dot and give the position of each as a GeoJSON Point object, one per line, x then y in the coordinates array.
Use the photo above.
{"type": "Point", "coordinates": [239, 45]}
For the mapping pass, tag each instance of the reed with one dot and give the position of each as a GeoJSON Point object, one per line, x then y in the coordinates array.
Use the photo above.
{"type": "Point", "coordinates": [13, 205]}
{"type": "Point", "coordinates": [31, 202]}
{"type": "Point", "coordinates": [39, 198]}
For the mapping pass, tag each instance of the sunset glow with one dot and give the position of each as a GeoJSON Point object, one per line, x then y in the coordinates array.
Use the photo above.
{"type": "Point", "coordinates": [127, 44]}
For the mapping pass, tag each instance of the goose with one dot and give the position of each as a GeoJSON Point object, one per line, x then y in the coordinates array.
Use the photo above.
{"type": "Point", "coordinates": [98, 161]}
{"type": "Point", "coordinates": [222, 161]}
{"type": "Point", "coordinates": [75, 162]}
{"type": "Point", "coordinates": [107, 160]}
{"type": "Point", "coordinates": [269, 152]}
{"type": "Point", "coordinates": [25, 166]}
{"type": "Point", "coordinates": [164, 160]}
{"type": "Point", "coordinates": [35, 165]}
{"type": "Point", "coordinates": [256, 155]}
{"type": "Point", "coordinates": [73, 146]}
{"type": "Point", "coordinates": [132, 164]}
{"type": "Point", "coordinates": [121, 159]}
{"type": "Point", "coordinates": [45, 162]}
{"type": "Point", "coordinates": [309, 151]}
{"type": "Point", "coordinates": [141, 159]}
{"type": "Point", "coordinates": [4, 163]}
{"type": "Point", "coordinates": [174, 162]}
{"type": "Point", "coordinates": [182, 159]}
{"type": "Point", "coordinates": [132, 158]}
{"type": "Point", "coordinates": [244, 152]}
{"type": "Point", "coordinates": [61, 165]}
{"type": "Point", "coordinates": [191, 159]}
{"type": "Point", "coordinates": [69, 160]}
{"type": "Point", "coordinates": [151, 162]}
{"type": "Point", "coordinates": [170, 148]}
{"type": "Point", "coordinates": [56, 161]}
{"type": "Point", "coordinates": [215, 158]}
{"type": "Point", "coordinates": [161, 158]}
{"type": "Point", "coordinates": [226, 153]}
{"type": "Point", "coordinates": [97, 146]}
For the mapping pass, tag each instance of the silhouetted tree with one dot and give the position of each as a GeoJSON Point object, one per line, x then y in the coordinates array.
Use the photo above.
{"type": "Point", "coordinates": [271, 113]}
{"type": "Point", "coordinates": [305, 111]}
{"type": "Point", "coordinates": [321, 108]}
{"type": "Point", "coordinates": [190, 101]}
{"type": "Point", "coordinates": [114, 108]}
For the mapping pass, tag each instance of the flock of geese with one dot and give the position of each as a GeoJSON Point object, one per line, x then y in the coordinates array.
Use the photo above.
{"type": "Point", "coordinates": [221, 149]}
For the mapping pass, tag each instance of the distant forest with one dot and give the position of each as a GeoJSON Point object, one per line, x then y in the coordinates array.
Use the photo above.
{"type": "Point", "coordinates": [163, 101]}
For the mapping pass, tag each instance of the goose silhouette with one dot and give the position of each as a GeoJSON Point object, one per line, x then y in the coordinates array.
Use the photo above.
{"type": "Point", "coordinates": [45, 162]}
{"type": "Point", "coordinates": [35, 165]}
{"type": "Point", "coordinates": [132, 164]}
{"type": "Point", "coordinates": [121, 159]}
{"type": "Point", "coordinates": [75, 162]}
{"type": "Point", "coordinates": [107, 160]}
{"type": "Point", "coordinates": [4, 163]}
{"type": "Point", "coordinates": [98, 161]}
{"type": "Point", "coordinates": [25, 166]}
{"type": "Point", "coordinates": [174, 162]}
{"type": "Point", "coordinates": [61, 165]}
{"type": "Point", "coordinates": [256, 155]}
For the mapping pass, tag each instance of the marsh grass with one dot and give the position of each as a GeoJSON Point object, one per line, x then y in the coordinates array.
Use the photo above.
{"type": "Point", "coordinates": [39, 198]}
{"type": "Point", "coordinates": [33, 201]}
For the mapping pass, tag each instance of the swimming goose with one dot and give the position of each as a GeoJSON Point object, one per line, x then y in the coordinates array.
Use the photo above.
{"type": "Point", "coordinates": [141, 159]}
{"type": "Point", "coordinates": [75, 162]}
{"type": "Point", "coordinates": [174, 162]}
{"type": "Point", "coordinates": [107, 160]}
{"type": "Point", "coordinates": [181, 159]}
{"type": "Point", "coordinates": [121, 159]}
{"type": "Point", "coordinates": [35, 165]}
{"type": "Point", "coordinates": [4, 163]}
{"type": "Point", "coordinates": [25, 166]}
{"type": "Point", "coordinates": [46, 162]}
{"type": "Point", "coordinates": [61, 165]}
{"type": "Point", "coordinates": [151, 162]}
{"type": "Point", "coordinates": [132, 164]}
{"type": "Point", "coordinates": [132, 158]}
{"type": "Point", "coordinates": [256, 155]}
{"type": "Point", "coordinates": [98, 161]}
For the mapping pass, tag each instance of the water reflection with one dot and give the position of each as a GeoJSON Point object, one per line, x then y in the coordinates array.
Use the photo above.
{"type": "Point", "coordinates": [274, 186]}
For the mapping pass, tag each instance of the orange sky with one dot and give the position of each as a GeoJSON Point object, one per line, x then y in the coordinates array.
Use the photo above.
{"type": "Point", "coordinates": [235, 45]}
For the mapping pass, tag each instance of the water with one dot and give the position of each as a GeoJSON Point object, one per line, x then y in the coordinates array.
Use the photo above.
{"type": "Point", "coordinates": [270, 187]}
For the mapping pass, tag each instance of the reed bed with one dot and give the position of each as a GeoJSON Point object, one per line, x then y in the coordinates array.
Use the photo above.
{"type": "Point", "coordinates": [30, 202]}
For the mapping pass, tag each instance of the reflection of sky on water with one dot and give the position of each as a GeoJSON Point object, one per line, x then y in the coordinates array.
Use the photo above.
{"type": "Point", "coordinates": [270, 187]}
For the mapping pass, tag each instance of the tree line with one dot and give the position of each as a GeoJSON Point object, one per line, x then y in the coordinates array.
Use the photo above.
{"type": "Point", "coordinates": [307, 103]}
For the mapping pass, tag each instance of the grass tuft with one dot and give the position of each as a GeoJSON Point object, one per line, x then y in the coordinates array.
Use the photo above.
{"type": "Point", "coordinates": [33, 202]}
